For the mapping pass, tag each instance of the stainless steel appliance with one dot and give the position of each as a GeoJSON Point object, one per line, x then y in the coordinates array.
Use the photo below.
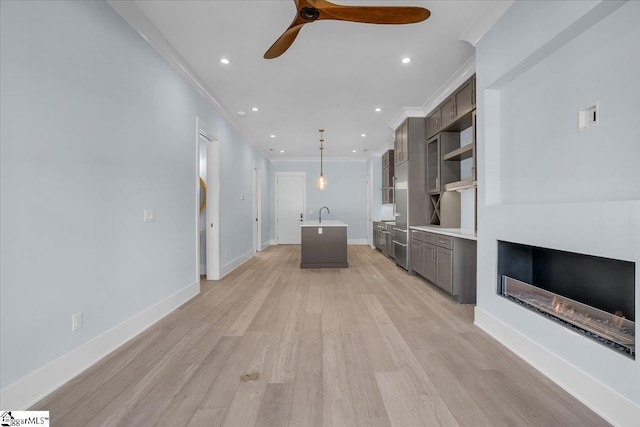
{"type": "Point", "coordinates": [401, 229]}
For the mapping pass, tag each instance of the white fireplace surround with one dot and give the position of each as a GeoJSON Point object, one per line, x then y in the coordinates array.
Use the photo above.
{"type": "Point", "coordinates": [543, 183]}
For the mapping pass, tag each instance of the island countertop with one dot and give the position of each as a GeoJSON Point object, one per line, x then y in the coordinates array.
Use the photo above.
{"type": "Point", "coordinates": [326, 223]}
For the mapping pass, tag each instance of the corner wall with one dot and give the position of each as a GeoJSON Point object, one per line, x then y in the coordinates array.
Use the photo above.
{"type": "Point", "coordinates": [545, 184]}
{"type": "Point", "coordinates": [97, 127]}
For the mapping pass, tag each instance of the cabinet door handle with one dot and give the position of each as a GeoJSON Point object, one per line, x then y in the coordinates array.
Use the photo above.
{"type": "Point", "coordinates": [435, 256]}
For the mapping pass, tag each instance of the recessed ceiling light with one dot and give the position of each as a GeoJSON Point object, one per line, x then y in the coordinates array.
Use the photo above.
{"type": "Point", "coordinates": [272, 136]}
{"type": "Point", "coordinates": [378, 109]}
{"type": "Point", "coordinates": [225, 61]}
{"type": "Point", "coordinates": [363, 135]}
{"type": "Point", "coordinates": [354, 151]}
{"type": "Point", "coordinates": [406, 60]}
{"type": "Point", "coordinates": [242, 113]}
{"type": "Point", "coordinates": [282, 151]}
{"type": "Point", "coordinates": [254, 109]}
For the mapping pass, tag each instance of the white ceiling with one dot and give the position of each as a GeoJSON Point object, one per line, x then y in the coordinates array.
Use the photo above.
{"type": "Point", "coordinates": [334, 75]}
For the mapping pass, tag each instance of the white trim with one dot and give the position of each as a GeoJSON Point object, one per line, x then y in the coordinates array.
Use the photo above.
{"type": "Point", "coordinates": [460, 76]}
{"type": "Point", "coordinates": [38, 384]}
{"type": "Point", "coordinates": [273, 242]}
{"type": "Point", "coordinates": [266, 244]}
{"type": "Point", "coordinates": [275, 195]}
{"type": "Point", "coordinates": [317, 159]}
{"type": "Point", "coordinates": [357, 242]}
{"type": "Point", "coordinates": [257, 209]}
{"type": "Point", "coordinates": [212, 239]}
{"type": "Point", "coordinates": [232, 265]}
{"type": "Point", "coordinates": [483, 23]}
{"type": "Point", "coordinates": [606, 402]}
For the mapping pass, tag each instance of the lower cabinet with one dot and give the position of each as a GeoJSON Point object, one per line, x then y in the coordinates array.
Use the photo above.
{"type": "Point", "coordinates": [447, 262]}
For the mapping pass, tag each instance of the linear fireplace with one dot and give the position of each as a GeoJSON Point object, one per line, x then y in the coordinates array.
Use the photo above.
{"type": "Point", "coordinates": [591, 295]}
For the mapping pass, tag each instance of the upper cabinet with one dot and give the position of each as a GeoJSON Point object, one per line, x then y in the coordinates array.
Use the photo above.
{"type": "Point", "coordinates": [402, 144]}
{"type": "Point", "coordinates": [452, 109]}
{"type": "Point", "coordinates": [450, 155]}
{"type": "Point", "coordinates": [387, 176]}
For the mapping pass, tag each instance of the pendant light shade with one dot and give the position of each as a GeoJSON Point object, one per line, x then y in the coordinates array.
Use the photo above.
{"type": "Point", "coordinates": [321, 182]}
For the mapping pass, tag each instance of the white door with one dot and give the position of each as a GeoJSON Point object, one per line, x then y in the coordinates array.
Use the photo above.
{"type": "Point", "coordinates": [257, 240]}
{"type": "Point", "coordinates": [290, 206]}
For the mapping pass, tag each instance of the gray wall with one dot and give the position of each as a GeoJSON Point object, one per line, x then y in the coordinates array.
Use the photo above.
{"type": "Point", "coordinates": [345, 195]}
{"type": "Point", "coordinates": [96, 127]}
{"type": "Point", "coordinates": [545, 184]}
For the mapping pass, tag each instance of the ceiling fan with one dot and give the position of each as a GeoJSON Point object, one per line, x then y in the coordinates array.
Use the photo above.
{"type": "Point", "coordinates": [314, 10]}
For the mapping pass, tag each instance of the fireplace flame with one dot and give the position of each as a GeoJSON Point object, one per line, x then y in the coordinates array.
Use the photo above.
{"type": "Point", "coordinates": [618, 320]}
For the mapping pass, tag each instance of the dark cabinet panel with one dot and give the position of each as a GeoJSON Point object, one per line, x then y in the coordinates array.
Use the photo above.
{"type": "Point", "coordinates": [401, 145]}
{"type": "Point", "coordinates": [448, 112]}
{"type": "Point", "coordinates": [387, 176]}
{"type": "Point", "coordinates": [464, 99]}
{"type": "Point", "coordinates": [444, 270]}
{"type": "Point", "coordinates": [434, 123]}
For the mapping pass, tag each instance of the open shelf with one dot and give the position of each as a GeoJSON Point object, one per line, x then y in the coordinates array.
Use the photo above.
{"type": "Point", "coordinates": [460, 185]}
{"type": "Point", "coordinates": [462, 153]}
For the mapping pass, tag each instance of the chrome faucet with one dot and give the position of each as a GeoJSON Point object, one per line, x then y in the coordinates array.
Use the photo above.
{"type": "Point", "coordinates": [320, 213]}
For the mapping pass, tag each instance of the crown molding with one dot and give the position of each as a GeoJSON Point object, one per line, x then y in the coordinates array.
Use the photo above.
{"type": "Point", "coordinates": [483, 23]}
{"type": "Point", "coordinates": [317, 159]}
{"type": "Point", "coordinates": [405, 113]}
{"type": "Point", "coordinates": [132, 14]}
{"type": "Point", "coordinates": [460, 76]}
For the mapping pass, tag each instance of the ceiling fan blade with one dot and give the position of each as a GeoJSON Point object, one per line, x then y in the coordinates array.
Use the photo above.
{"type": "Point", "coordinates": [373, 14]}
{"type": "Point", "coordinates": [284, 41]}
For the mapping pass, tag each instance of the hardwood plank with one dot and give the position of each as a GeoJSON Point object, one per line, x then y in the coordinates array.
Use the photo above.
{"type": "Point", "coordinates": [307, 404]}
{"type": "Point", "coordinates": [367, 346]}
{"type": "Point", "coordinates": [276, 406]}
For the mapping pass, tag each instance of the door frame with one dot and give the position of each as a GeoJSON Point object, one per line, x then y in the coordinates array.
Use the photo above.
{"type": "Point", "coordinates": [204, 130]}
{"type": "Point", "coordinates": [275, 196]}
{"type": "Point", "coordinates": [257, 209]}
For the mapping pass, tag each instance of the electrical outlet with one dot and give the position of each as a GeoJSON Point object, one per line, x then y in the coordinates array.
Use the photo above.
{"type": "Point", "coordinates": [76, 321]}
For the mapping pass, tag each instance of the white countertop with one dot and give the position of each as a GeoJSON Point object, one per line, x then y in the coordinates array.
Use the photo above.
{"type": "Point", "coordinates": [325, 223]}
{"type": "Point", "coordinates": [453, 232]}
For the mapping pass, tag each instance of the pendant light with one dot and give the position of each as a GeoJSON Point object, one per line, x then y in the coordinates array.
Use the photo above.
{"type": "Point", "coordinates": [321, 182]}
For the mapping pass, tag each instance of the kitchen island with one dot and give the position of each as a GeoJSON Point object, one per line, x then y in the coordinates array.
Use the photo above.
{"type": "Point", "coordinates": [323, 244]}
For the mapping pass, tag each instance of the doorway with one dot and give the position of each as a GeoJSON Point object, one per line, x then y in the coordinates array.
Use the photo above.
{"type": "Point", "coordinates": [207, 218]}
{"type": "Point", "coordinates": [257, 217]}
{"type": "Point", "coordinates": [290, 206]}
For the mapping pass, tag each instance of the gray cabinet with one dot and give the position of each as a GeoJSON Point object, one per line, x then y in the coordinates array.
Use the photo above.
{"type": "Point", "coordinates": [434, 124]}
{"type": "Point", "coordinates": [464, 97]}
{"type": "Point", "coordinates": [388, 177]}
{"type": "Point", "coordinates": [402, 144]}
{"type": "Point", "coordinates": [444, 269]}
{"type": "Point", "coordinates": [417, 257]}
{"type": "Point", "coordinates": [447, 262]}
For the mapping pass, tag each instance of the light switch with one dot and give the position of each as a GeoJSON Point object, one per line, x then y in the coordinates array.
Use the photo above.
{"type": "Point", "coordinates": [319, 230]}
{"type": "Point", "coordinates": [149, 216]}
{"type": "Point", "coordinates": [589, 117]}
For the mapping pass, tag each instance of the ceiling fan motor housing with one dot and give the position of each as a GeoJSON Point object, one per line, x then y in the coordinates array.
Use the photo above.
{"type": "Point", "coordinates": [309, 13]}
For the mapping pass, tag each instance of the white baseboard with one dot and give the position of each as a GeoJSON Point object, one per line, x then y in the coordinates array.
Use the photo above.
{"type": "Point", "coordinates": [273, 242]}
{"type": "Point", "coordinates": [357, 242]}
{"type": "Point", "coordinates": [38, 384]}
{"type": "Point", "coordinates": [606, 402]}
{"type": "Point", "coordinates": [232, 265]}
{"type": "Point", "coordinates": [265, 245]}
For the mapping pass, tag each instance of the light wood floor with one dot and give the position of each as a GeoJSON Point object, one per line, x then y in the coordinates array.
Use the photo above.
{"type": "Point", "coordinates": [363, 346]}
